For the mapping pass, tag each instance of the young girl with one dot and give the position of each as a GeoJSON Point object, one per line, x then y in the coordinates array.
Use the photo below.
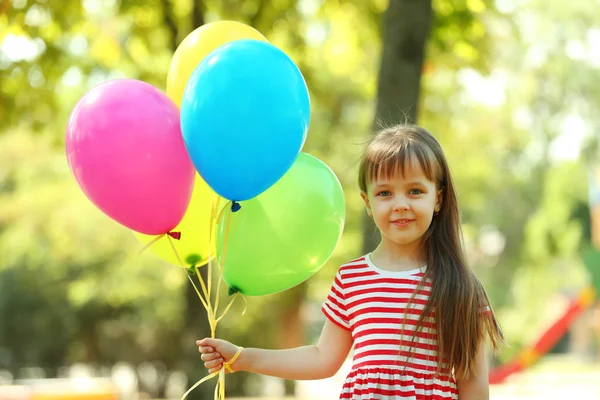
{"type": "Point", "coordinates": [414, 312]}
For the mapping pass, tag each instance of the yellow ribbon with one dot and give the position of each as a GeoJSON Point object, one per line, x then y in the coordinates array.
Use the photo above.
{"type": "Point", "coordinates": [212, 311]}
{"type": "Point", "coordinates": [150, 243]}
{"type": "Point", "coordinates": [220, 388]}
{"type": "Point", "coordinates": [206, 295]}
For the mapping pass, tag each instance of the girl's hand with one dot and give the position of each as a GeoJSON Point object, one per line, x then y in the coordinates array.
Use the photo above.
{"type": "Point", "coordinates": [215, 352]}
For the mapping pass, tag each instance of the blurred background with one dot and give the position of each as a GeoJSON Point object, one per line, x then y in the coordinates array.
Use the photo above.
{"type": "Point", "coordinates": [509, 87]}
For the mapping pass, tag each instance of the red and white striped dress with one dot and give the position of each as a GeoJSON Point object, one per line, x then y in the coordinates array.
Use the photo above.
{"type": "Point", "coordinates": [372, 303]}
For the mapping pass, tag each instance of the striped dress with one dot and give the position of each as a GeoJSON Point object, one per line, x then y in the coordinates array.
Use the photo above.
{"type": "Point", "coordinates": [372, 303]}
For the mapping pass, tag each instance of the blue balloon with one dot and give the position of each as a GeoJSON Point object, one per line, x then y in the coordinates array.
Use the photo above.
{"type": "Point", "coordinates": [244, 117]}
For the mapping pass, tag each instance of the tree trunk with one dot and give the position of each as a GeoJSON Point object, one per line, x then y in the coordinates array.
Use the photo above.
{"type": "Point", "coordinates": [171, 23]}
{"type": "Point", "coordinates": [197, 14]}
{"type": "Point", "coordinates": [406, 28]}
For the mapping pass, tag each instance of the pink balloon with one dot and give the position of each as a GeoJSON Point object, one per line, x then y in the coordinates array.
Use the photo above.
{"type": "Point", "coordinates": [126, 151]}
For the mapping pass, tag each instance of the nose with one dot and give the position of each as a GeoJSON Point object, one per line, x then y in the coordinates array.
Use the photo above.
{"type": "Point", "coordinates": [401, 205]}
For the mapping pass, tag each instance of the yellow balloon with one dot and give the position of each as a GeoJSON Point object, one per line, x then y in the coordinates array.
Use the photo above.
{"type": "Point", "coordinates": [198, 45]}
{"type": "Point", "coordinates": [193, 246]}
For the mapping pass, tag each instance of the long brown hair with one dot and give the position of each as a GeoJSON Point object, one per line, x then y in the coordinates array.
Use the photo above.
{"type": "Point", "coordinates": [462, 315]}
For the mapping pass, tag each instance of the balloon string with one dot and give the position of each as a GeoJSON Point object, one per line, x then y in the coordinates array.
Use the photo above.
{"type": "Point", "coordinates": [221, 263]}
{"type": "Point", "coordinates": [206, 295]}
{"type": "Point", "coordinates": [213, 212]}
{"type": "Point", "coordinates": [211, 240]}
{"type": "Point", "coordinates": [212, 311]}
{"type": "Point", "coordinates": [150, 243]}
{"type": "Point", "coordinates": [174, 235]}
{"type": "Point", "coordinates": [213, 321]}
{"type": "Point", "coordinates": [220, 388]}
{"type": "Point", "coordinates": [227, 226]}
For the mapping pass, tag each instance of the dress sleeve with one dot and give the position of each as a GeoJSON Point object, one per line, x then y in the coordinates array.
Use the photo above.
{"type": "Point", "coordinates": [334, 306]}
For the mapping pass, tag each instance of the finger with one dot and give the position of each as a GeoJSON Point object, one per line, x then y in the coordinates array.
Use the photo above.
{"type": "Point", "coordinates": [218, 363]}
{"type": "Point", "coordinates": [213, 370]}
{"type": "Point", "coordinates": [210, 356]}
{"type": "Point", "coordinates": [205, 350]}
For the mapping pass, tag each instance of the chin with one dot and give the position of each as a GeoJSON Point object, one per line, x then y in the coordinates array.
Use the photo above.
{"type": "Point", "coordinates": [404, 241]}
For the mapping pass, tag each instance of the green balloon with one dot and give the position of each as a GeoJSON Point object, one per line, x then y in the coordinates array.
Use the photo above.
{"type": "Point", "coordinates": [282, 237]}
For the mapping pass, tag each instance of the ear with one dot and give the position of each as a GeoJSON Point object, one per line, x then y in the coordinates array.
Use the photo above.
{"type": "Point", "coordinates": [367, 203]}
{"type": "Point", "coordinates": [439, 200]}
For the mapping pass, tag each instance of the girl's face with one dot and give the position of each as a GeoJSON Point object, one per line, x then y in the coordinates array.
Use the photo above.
{"type": "Point", "coordinates": [403, 205]}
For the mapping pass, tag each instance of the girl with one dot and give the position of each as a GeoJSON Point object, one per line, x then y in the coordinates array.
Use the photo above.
{"type": "Point", "coordinates": [414, 312]}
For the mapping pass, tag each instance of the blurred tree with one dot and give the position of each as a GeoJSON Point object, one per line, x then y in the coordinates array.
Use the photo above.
{"type": "Point", "coordinates": [514, 138]}
{"type": "Point", "coordinates": [453, 34]}
{"type": "Point", "coordinates": [67, 285]}
{"type": "Point", "coordinates": [406, 29]}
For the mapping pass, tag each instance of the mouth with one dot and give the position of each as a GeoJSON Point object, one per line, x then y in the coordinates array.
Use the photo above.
{"type": "Point", "coordinates": [402, 222]}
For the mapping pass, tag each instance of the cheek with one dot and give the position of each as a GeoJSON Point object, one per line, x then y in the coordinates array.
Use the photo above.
{"type": "Point", "coordinates": [380, 207]}
{"type": "Point", "coordinates": [426, 208]}
{"type": "Point", "coordinates": [379, 213]}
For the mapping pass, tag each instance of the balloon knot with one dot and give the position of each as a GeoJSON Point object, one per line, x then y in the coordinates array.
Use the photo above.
{"type": "Point", "coordinates": [232, 290]}
{"type": "Point", "coordinates": [235, 206]}
{"type": "Point", "coordinates": [175, 235]}
{"type": "Point", "coordinates": [191, 270]}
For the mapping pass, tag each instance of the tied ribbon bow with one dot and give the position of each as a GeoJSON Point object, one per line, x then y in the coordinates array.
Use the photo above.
{"type": "Point", "coordinates": [220, 388]}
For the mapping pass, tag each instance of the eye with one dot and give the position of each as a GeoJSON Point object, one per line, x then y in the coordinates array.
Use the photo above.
{"type": "Point", "coordinates": [415, 192]}
{"type": "Point", "coordinates": [384, 193]}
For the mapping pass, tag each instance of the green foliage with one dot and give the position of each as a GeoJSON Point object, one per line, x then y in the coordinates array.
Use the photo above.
{"type": "Point", "coordinates": [65, 270]}
{"type": "Point", "coordinates": [512, 131]}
